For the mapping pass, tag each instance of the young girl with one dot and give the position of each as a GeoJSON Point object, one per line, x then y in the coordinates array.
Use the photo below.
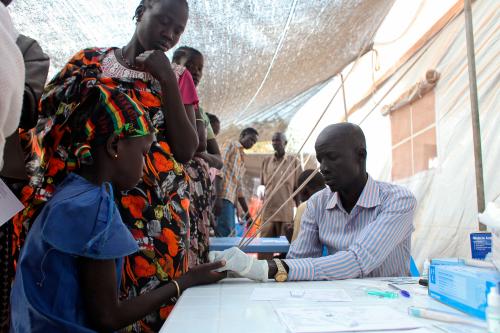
{"type": "Point", "coordinates": [156, 210]}
{"type": "Point", "coordinates": [70, 266]}
{"type": "Point", "coordinates": [207, 155]}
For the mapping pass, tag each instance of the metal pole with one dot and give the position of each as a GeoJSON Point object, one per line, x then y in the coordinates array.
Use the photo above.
{"type": "Point", "coordinates": [346, 116]}
{"type": "Point", "coordinates": [476, 125]}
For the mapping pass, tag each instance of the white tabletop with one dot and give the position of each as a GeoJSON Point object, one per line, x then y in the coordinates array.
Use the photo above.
{"type": "Point", "coordinates": [226, 307]}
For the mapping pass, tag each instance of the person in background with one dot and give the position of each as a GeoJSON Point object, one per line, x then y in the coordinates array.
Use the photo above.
{"type": "Point", "coordinates": [214, 122]}
{"type": "Point", "coordinates": [366, 225]}
{"type": "Point", "coordinates": [193, 61]}
{"type": "Point", "coordinates": [156, 210]}
{"type": "Point", "coordinates": [36, 64]}
{"type": "Point", "coordinates": [279, 174]}
{"type": "Point", "coordinates": [68, 273]}
{"type": "Point", "coordinates": [12, 74]}
{"type": "Point", "coordinates": [230, 189]}
{"type": "Point", "coordinates": [13, 171]}
{"type": "Point", "coordinates": [316, 184]}
{"type": "Point", "coordinates": [207, 155]}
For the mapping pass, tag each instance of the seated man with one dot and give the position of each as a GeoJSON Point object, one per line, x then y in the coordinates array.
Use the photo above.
{"type": "Point", "coordinates": [366, 225]}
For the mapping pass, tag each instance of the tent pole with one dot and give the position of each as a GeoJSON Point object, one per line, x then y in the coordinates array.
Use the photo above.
{"type": "Point", "coordinates": [476, 127]}
{"type": "Point", "coordinates": [346, 115]}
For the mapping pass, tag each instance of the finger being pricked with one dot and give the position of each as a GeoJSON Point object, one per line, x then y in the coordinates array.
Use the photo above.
{"type": "Point", "coordinates": [214, 256]}
{"type": "Point", "coordinates": [216, 265]}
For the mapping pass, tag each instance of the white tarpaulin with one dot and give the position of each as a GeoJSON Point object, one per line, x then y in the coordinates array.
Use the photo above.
{"type": "Point", "coordinates": [312, 41]}
{"type": "Point", "coordinates": [447, 208]}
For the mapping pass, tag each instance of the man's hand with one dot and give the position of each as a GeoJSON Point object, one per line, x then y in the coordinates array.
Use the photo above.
{"type": "Point", "coordinates": [242, 264]}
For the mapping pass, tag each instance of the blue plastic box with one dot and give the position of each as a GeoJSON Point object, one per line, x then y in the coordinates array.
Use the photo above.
{"type": "Point", "coordinates": [462, 287]}
{"type": "Point", "coordinates": [448, 261]}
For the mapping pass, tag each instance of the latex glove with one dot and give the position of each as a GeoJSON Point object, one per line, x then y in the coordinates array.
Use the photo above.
{"type": "Point", "coordinates": [241, 263]}
{"type": "Point", "coordinates": [491, 216]}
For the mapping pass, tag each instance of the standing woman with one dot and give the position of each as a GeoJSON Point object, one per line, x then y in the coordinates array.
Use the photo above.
{"type": "Point", "coordinates": [156, 210]}
{"type": "Point", "coordinates": [198, 169]}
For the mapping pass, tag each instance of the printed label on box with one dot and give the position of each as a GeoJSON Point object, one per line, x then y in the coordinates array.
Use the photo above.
{"type": "Point", "coordinates": [480, 244]}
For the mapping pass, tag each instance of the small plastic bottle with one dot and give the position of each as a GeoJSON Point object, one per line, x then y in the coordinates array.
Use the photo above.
{"type": "Point", "coordinates": [425, 270]}
{"type": "Point", "coordinates": [493, 310]}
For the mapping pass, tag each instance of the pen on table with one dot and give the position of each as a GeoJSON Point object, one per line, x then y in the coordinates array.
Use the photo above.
{"type": "Point", "coordinates": [404, 293]}
{"type": "Point", "coordinates": [439, 315]}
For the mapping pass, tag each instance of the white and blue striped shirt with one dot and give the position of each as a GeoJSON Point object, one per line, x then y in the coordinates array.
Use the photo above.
{"type": "Point", "coordinates": [373, 240]}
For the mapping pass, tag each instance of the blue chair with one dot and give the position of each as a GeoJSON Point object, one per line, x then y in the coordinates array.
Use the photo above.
{"type": "Point", "coordinates": [413, 268]}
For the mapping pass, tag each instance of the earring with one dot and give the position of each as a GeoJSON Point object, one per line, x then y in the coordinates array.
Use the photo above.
{"type": "Point", "coordinates": [116, 155]}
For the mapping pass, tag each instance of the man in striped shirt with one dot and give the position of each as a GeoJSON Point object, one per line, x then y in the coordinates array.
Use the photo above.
{"type": "Point", "coordinates": [365, 225]}
{"type": "Point", "coordinates": [228, 182]}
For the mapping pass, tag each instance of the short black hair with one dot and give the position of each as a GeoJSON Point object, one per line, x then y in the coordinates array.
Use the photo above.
{"type": "Point", "coordinates": [249, 130]}
{"type": "Point", "coordinates": [140, 9]}
{"type": "Point", "coordinates": [213, 118]}
{"type": "Point", "coordinates": [185, 51]}
{"type": "Point", "coordinates": [317, 181]}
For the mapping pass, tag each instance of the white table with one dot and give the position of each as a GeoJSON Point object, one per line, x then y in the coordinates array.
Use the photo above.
{"type": "Point", "coordinates": [226, 307]}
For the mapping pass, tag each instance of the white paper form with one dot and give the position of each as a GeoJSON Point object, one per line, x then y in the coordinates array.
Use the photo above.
{"type": "Point", "coordinates": [344, 319]}
{"type": "Point", "coordinates": [9, 204]}
{"type": "Point", "coordinates": [459, 328]}
{"type": "Point", "coordinates": [317, 295]}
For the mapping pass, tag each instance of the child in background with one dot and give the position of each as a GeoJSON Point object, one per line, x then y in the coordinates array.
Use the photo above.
{"type": "Point", "coordinates": [69, 270]}
{"type": "Point", "coordinates": [207, 155]}
{"type": "Point", "coordinates": [214, 122]}
{"type": "Point", "coordinates": [208, 149]}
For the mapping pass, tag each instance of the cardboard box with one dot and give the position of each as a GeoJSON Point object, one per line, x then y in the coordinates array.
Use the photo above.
{"type": "Point", "coordinates": [462, 287]}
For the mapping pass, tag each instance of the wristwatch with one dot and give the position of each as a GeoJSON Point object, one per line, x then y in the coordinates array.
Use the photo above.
{"type": "Point", "coordinates": [281, 275]}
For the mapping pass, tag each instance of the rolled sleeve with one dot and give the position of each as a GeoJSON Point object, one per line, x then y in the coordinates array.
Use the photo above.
{"type": "Point", "coordinates": [301, 269]}
{"type": "Point", "coordinates": [342, 265]}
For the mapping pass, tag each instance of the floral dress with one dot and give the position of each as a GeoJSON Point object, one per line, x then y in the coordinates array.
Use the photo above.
{"type": "Point", "coordinates": [200, 210]}
{"type": "Point", "coordinates": [155, 211]}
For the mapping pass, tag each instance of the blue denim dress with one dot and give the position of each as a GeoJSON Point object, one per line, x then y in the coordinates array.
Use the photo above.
{"type": "Point", "coordinates": [81, 220]}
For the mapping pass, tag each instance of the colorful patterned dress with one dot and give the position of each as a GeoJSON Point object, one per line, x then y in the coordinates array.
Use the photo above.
{"type": "Point", "coordinates": [200, 210]}
{"type": "Point", "coordinates": [156, 211]}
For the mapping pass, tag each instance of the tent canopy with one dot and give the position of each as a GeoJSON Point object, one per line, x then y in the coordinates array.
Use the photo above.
{"type": "Point", "coordinates": [263, 59]}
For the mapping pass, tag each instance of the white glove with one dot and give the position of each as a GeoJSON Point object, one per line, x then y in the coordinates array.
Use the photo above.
{"type": "Point", "coordinates": [242, 264]}
{"type": "Point", "coordinates": [491, 216]}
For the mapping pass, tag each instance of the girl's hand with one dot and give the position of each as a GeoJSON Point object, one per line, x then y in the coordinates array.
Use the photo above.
{"type": "Point", "coordinates": [202, 274]}
{"type": "Point", "coordinates": [156, 63]}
